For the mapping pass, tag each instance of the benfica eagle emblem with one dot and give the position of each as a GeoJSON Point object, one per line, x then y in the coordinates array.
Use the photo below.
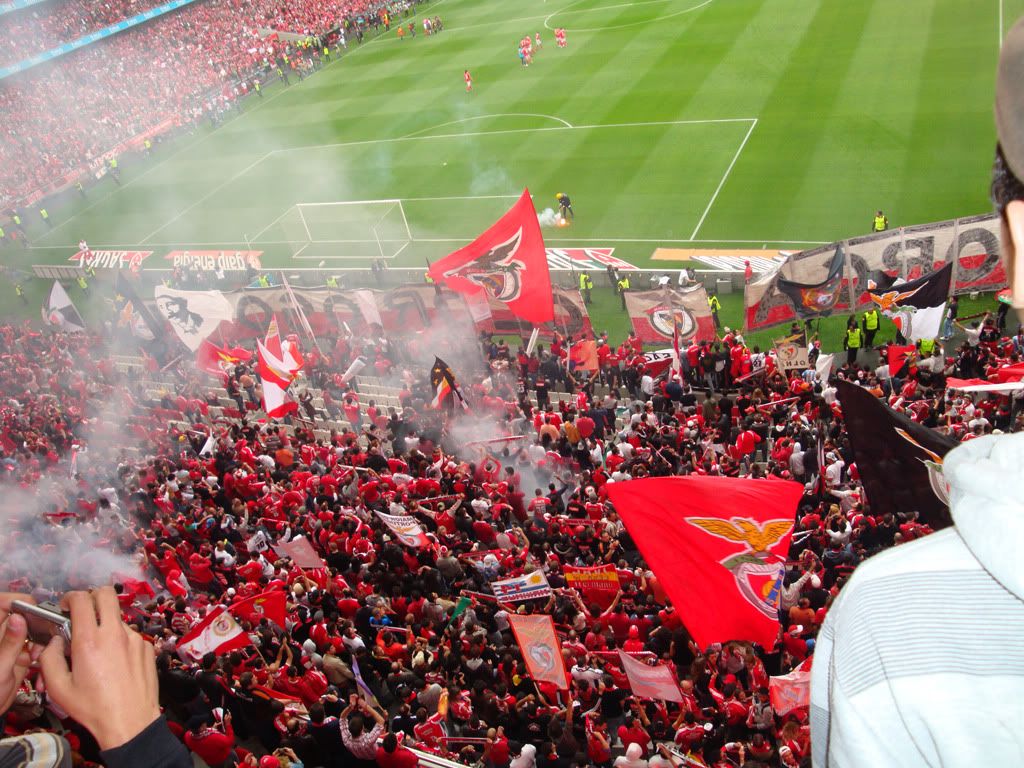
{"type": "Point", "coordinates": [663, 319]}
{"type": "Point", "coordinates": [757, 579]}
{"type": "Point", "coordinates": [934, 463]}
{"type": "Point", "coordinates": [497, 271]}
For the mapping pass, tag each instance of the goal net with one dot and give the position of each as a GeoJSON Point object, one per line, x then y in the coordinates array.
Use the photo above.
{"type": "Point", "coordinates": [357, 229]}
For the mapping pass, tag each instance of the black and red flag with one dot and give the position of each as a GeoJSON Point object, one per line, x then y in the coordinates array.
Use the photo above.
{"type": "Point", "coordinates": [899, 460]}
{"type": "Point", "coordinates": [508, 262]}
{"type": "Point", "coordinates": [818, 298]}
{"type": "Point", "coordinates": [446, 389]}
{"type": "Point", "coordinates": [900, 357]}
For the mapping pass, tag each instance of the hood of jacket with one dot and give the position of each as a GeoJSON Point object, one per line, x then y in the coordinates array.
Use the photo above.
{"type": "Point", "coordinates": [986, 483]}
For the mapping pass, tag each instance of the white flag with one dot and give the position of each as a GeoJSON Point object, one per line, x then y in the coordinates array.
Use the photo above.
{"type": "Point", "coordinates": [60, 311]}
{"type": "Point", "coordinates": [193, 315]}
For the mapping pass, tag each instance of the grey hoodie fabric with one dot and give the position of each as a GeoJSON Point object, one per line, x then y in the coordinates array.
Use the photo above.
{"type": "Point", "coordinates": [920, 661]}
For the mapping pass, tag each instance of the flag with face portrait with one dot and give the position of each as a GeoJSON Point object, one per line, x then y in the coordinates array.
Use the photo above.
{"type": "Point", "coordinates": [60, 311]}
{"type": "Point", "coordinates": [192, 315]}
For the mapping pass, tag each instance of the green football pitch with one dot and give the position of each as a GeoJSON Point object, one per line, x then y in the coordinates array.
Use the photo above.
{"type": "Point", "coordinates": [757, 124]}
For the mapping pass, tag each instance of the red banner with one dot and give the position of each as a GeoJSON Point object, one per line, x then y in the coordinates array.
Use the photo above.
{"type": "Point", "coordinates": [717, 546]}
{"type": "Point", "coordinates": [541, 651]}
{"type": "Point", "coordinates": [600, 578]}
{"type": "Point", "coordinates": [650, 682]}
{"type": "Point", "coordinates": [571, 317]}
{"type": "Point", "coordinates": [269, 605]}
{"type": "Point", "coordinates": [301, 552]}
{"type": "Point", "coordinates": [110, 259]}
{"type": "Point", "coordinates": [216, 261]}
{"type": "Point", "coordinates": [507, 262]}
{"type": "Point", "coordinates": [655, 315]}
{"type": "Point", "coordinates": [792, 691]}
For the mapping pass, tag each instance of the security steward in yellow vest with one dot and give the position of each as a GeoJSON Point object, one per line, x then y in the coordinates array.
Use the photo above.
{"type": "Point", "coordinates": [20, 292]}
{"type": "Point", "coordinates": [926, 347]}
{"type": "Point", "coordinates": [714, 305]}
{"type": "Point", "coordinates": [264, 281]}
{"type": "Point", "coordinates": [45, 216]}
{"type": "Point", "coordinates": [870, 323]}
{"type": "Point", "coordinates": [880, 223]}
{"type": "Point", "coordinates": [622, 286]}
{"type": "Point", "coordinates": [586, 286]}
{"type": "Point", "coordinates": [852, 343]}
{"type": "Point", "coordinates": [332, 281]}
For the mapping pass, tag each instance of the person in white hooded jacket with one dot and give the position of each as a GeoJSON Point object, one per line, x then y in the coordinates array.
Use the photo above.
{"type": "Point", "coordinates": [920, 661]}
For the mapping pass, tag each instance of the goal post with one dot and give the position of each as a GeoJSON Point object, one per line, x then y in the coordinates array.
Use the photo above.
{"type": "Point", "coordinates": [353, 229]}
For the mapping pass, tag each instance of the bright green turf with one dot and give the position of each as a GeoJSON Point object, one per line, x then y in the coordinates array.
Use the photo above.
{"type": "Point", "coordinates": [859, 105]}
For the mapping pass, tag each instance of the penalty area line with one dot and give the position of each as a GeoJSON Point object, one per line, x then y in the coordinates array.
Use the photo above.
{"type": "Point", "coordinates": [725, 177]}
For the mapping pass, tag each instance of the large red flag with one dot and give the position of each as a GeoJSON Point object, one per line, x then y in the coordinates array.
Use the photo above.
{"type": "Point", "coordinates": [541, 652]}
{"type": "Point", "coordinates": [214, 359]}
{"type": "Point", "coordinates": [507, 262]}
{"type": "Point", "coordinates": [269, 605]}
{"type": "Point", "coordinates": [717, 545]}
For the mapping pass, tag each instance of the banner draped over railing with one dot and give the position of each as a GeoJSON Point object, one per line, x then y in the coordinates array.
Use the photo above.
{"type": "Point", "coordinates": [971, 244]}
{"type": "Point", "coordinates": [403, 310]}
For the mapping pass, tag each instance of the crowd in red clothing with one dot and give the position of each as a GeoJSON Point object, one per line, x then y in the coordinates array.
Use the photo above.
{"type": "Point", "coordinates": [60, 118]}
{"type": "Point", "coordinates": [41, 27]}
{"type": "Point", "coordinates": [195, 505]}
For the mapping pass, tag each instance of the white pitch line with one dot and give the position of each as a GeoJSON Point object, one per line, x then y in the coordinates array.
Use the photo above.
{"type": "Point", "coordinates": [1000, 24]}
{"type": "Point", "coordinates": [216, 131]}
{"type": "Point", "coordinates": [565, 123]}
{"type": "Point", "coordinates": [205, 197]}
{"type": "Point", "coordinates": [725, 176]}
{"type": "Point", "coordinates": [629, 240]}
{"type": "Point", "coordinates": [471, 134]}
{"type": "Point", "coordinates": [622, 5]}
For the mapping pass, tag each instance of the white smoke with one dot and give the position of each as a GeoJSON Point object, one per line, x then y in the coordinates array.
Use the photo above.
{"type": "Point", "coordinates": [548, 218]}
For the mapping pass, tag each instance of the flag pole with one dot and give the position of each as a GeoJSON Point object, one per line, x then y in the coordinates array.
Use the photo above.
{"type": "Point", "coordinates": [301, 314]}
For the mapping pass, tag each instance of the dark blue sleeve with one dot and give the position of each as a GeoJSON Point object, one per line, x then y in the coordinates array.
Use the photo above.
{"type": "Point", "coordinates": [154, 747]}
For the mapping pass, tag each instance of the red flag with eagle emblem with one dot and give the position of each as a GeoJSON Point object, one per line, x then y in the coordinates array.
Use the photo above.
{"type": "Point", "coordinates": [541, 651]}
{"type": "Point", "coordinates": [214, 359]}
{"type": "Point", "coordinates": [717, 546]}
{"type": "Point", "coordinates": [507, 262]}
{"type": "Point", "coordinates": [270, 605]}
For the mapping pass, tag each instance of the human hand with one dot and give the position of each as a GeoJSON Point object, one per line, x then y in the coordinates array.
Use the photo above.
{"type": "Point", "coordinates": [14, 655]}
{"type": "Point", "coordinates": [112, 687]}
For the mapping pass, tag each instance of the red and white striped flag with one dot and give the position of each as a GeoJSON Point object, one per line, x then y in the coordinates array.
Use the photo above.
{"type": "Point", "coordinates": [218, 633]}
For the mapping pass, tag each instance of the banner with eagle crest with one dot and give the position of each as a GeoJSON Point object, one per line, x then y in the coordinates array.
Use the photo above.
{"type": "Point", "coordinates": [665, 315]}
{"type": "Point", "coordinates": [718, 547]}
{"type": "Point", "coordinates": [541, 651]}
{"type": "Point", "coordinates": [508, 262]}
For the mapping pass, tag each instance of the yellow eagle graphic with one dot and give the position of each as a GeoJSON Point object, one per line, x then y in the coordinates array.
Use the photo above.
{"type": "Point", "coordinates": [758, 538]}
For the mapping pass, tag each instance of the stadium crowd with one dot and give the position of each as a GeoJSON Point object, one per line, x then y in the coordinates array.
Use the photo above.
{"type": "Point", "coordinates": [39, 28]}
{"type": "Point", "coordinates": [194, 506]}
{"type": "Point", "coordinates": [60, 119]}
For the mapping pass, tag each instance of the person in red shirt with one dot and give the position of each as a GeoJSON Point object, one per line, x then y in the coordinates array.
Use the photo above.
{"type": "Point", "coordinates": [599, 748]}
{"type": "Point", "coordinates": [633, 731]}
{"type": "Point", "coordinates": [391, 754]}
{"type": "Point", "coordinates": [211, 743]}
{"type": "Point", "coordinates": [497, 752]}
